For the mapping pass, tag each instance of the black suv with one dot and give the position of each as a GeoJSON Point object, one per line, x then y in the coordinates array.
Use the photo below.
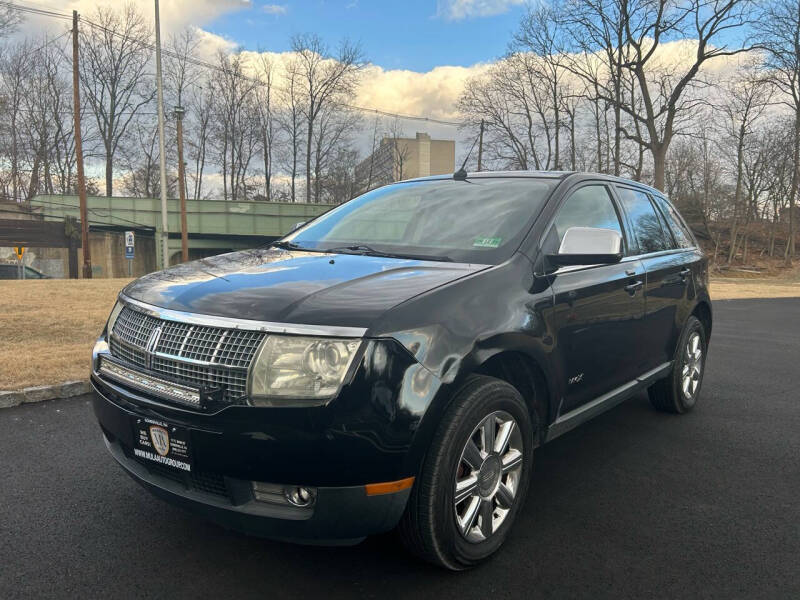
{"type": "Point", "coordinates": [394, 362]}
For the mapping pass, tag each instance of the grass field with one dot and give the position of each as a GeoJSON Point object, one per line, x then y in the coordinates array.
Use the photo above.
{"type": "Point", "coordinates": [47, 328]}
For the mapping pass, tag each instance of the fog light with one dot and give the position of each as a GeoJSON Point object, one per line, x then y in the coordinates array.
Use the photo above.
{"type": "Point", "coordinates": [300, 496]}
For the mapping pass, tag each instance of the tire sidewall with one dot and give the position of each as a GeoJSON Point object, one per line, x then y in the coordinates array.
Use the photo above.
{"type": "Point", "coordinates": [681, 402]}
{"type": "Point", "coordinates": [498, 396]}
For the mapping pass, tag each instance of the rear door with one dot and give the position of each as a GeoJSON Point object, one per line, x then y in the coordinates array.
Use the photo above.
{"type": "Point", "coordinates": [598, 309]}
{"type": "Point", "coordinates": [667, 278]}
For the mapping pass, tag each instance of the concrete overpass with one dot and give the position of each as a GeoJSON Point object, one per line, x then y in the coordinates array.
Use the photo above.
{"type": "Point", "coordinates": [215, 226]}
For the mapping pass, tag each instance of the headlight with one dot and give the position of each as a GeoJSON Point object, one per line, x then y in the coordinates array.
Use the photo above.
{"type": "Point", "coordinates": [300, 367]}
{"type": "Point", "coordinates": [113, 318]}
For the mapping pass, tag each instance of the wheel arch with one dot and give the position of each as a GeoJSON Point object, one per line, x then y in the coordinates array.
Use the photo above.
{"type": "Point", "coordinates": [702, 311]}
{"type": "Point", "coordinates": [526, 375]}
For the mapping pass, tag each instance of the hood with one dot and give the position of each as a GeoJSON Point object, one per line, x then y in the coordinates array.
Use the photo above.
{"type": "Point", "coordinates": [295, 287]}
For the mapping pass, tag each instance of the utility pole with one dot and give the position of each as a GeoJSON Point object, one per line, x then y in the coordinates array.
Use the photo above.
{"type": "Point", "coordinates": [182, 186]}
{"type": "Point", "coordinates": [76, 98]}
{"type": "Point", "coordinates": [161, 150]}
{"type": "Point", "coordinates": [480, 148]}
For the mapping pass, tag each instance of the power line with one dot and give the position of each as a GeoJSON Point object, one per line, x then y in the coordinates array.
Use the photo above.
{"type": "Point", "coordinates": [37, 11]}
{"type": "Point", "coordinates": [207, 65]}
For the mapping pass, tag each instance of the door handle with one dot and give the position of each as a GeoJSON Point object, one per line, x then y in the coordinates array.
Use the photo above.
{"type": "Point", "coordinates": [685, 273]}
{"type": "Point", "coordinates": [632, 287]}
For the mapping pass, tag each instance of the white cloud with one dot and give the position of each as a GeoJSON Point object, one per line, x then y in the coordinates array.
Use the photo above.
{"type": "Point", "coordinates": [175, 14]}
{"type": "Point", "coordinates": [275, 9]}
{"type": "Point", "coordinates": [431, 93]}
{"type": "Point", "coordinates": [456, 10]}
{"type": "Point", "coordinates": [211, 43]}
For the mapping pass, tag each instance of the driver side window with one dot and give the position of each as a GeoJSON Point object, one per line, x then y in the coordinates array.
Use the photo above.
{"type": "Point", "coordinates": [589, 206]}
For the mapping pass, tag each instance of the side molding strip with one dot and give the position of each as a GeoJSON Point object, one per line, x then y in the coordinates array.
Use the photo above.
{"type": "Point", "coordinates": [575, 417]}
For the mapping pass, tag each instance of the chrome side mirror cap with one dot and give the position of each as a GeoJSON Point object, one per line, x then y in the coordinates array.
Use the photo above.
{"type": "Point", "coordinates": [588, 246]}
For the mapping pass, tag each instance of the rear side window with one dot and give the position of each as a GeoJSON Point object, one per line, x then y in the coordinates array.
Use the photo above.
{"type": "Point", "coordinates": [589, 206]}
{"type": "Point", "coordinates": [647, 227]}
{"type": "Point", "coordinates": [682, 234]}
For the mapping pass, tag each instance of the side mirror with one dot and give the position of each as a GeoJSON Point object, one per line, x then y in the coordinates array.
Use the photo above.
{"type": "Point", "coordinates": [296, 226]}
{"type": "Point", "coordinates": [588, 246]}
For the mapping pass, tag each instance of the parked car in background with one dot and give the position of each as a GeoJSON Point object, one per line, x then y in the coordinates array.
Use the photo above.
{"type": "Point", "coordinates": [394, 362]}
{"type": "Point", "coordinates": [13, 271]}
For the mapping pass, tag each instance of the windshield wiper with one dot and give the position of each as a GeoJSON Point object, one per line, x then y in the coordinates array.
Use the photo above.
{"type": "Point", "coordinates": [284, 245]}
{"type": "Point", "coordinates": [365, 250]}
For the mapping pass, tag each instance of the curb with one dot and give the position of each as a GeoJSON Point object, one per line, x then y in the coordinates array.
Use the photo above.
{"type": "Point", "coordinates": [40, 393]}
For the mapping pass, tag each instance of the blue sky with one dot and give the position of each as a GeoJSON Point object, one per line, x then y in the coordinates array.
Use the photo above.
{"type": "Point", "coordinates": [412, 34]}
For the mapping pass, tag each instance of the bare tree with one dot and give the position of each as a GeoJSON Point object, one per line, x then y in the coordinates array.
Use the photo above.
{"type": "Point", "coordinates": [291, 122]}
{"type": "Point", "coordinates": [236, 124]}
{"type": "Point", "coordinates": [267, 117]}
{"type": "Point", "coordinates": [15, 67]}
{"type": "Point", "coordinates": [745, 97]}
{"type": "Point", "coordinates": [779, 32]}
{"type": "Point", "coordinates": [602, 41]}
{"type": "Point", "coordinates": [180, 72]}
{"type": "Point", "coordinates": [113, 68]}
{"type": "Point", "coordinates": [662, 87]}
{"type": "Point", "coordinates": [400, 152]}
{"type": "Point", "coordinates": [201, 115]}
{"type": "Point", "coordinates": [539, 34]}
{"type": "Point", "coordinates": [10, 18]}
{"type": "Point", "coordinates": [366, 185]}
{"type": "Point", "coordinates": [509, 99]}
{"type": "Point", "coordinates": [141, 165]}
{"type": "Point", "coordinates": [327, 80]}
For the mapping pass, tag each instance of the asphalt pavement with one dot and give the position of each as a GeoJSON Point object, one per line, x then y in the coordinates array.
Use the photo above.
{"type": "Point", "coordinates": [634, 504]}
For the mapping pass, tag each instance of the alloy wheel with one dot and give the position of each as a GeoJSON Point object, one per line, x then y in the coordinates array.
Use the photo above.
{"type": "Point", "coordinates": [487, 477]}
{"type": "Point", "coordinates": [692, 366]}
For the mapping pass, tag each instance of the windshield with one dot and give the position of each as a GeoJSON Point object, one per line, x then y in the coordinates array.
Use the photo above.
{"type": "Point", "coordinates": [481, 221]}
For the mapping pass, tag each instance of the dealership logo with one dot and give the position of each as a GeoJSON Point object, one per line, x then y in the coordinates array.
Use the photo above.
{"type": "Point", "coordinates": [160, 438]}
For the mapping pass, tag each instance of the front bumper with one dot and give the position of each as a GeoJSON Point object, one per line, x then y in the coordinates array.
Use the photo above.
{"type": "Point", "coordinates": [221, 491]}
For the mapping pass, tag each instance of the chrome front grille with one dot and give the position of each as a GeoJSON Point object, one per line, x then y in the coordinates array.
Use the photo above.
{"type": "Point", "coordinates": [198, 355]}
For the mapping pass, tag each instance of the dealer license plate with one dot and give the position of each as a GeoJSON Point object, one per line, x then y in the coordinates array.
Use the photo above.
{"type": "Point", "coordinates": [160, 442]}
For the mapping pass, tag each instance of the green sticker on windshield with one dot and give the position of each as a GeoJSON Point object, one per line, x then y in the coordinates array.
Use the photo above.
{"type": "Point", "coordinates": [487, 242]}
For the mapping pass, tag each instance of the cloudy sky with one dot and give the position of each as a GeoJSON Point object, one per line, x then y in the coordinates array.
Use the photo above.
{"type": "Point", "coordinates": [420, 51]}
{"type": "Point", "coordinates": [414, 34]}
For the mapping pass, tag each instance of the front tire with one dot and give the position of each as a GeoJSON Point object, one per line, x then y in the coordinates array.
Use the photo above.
{"type": "Point", "coordinates": [678, 392]}
{"type": "Point", "coordinates": [474, 478]}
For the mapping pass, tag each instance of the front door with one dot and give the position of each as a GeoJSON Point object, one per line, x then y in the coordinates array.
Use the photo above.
{"type": "Point", "coordinates": [598, 309]}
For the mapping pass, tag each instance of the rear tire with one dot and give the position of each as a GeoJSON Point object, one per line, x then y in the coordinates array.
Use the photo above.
{"type": "Point", "coordinates": [466, 498]}
{"type": "Point", "coordinates": [678, 392]}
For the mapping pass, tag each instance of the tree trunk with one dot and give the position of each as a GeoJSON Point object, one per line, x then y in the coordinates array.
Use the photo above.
{"type": "Point", "coordinates": [309, 138]}
{"type": "Point", "coordinates": [557, 124]}
{"type": "Point", "coordinates": [598, 137]}
{"type": "Point", "coordinates": [744, 249]}
{"type": "Point", "coordinates": [737, 196]}
{"type": "Point", "coordinates": [659, 166]}
{"type": "Point", "coordinates": [572, 156]}
{"type": "Point", "coordinates": [109, 175]}
{"type": "Point", "coordinates": [789, 252]}
{"type": "Point", "coordinates": [267, 165]}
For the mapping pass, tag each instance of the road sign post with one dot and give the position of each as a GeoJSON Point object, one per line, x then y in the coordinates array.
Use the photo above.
{"type": "Point", "coordinates": [130, 240]}
{"type": "Point", "coordinates": [20, 252]}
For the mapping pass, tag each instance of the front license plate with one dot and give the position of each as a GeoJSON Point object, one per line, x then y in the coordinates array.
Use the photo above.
{"type": "Point", "coordinates": [160, 442]}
